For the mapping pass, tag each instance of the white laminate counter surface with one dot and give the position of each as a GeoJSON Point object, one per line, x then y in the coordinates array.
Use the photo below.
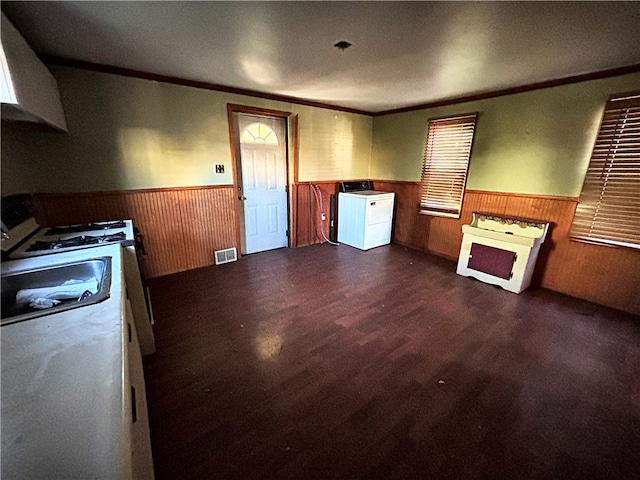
{"type": "Point", "coordinates": [63, 398]}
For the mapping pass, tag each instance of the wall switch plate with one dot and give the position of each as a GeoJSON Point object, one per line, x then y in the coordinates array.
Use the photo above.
{"type": "Point", "coordinates": [219, 168]}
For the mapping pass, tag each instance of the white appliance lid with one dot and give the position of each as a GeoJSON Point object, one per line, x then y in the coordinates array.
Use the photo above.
{"type": "Point", "coordinates": [367, 193]}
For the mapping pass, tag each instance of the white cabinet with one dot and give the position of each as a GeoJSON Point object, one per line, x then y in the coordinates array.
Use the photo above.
{"type": "Point", "coordinates": [7, 92]}
{"type": "Point", "coordinates": [135, 291]}
{"type": "Point", "coordinates": [501, 250]}
{"type": "Point", "coordinates": [141, 460]}
{"type": "Point", "coordinates": [73, 392]}
{"type": "Point", "coordinates": [29, 91]}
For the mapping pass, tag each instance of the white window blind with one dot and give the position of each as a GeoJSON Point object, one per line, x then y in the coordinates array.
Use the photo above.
{"type": "Point", "coordinates": [446, 161]}
{"type": "Point", "coordinates": [609, 207]}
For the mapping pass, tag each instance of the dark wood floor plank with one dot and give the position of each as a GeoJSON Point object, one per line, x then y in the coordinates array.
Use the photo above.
{"type": "Point", "coordinates": [328, 362]}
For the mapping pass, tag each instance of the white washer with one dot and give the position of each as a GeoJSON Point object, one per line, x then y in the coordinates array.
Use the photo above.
{"type": "Point", "coordinates": [365, 218]}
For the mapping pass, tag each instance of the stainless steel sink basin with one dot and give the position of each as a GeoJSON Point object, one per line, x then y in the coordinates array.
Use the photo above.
{"type": "Point", "coordinates": [95, 269]}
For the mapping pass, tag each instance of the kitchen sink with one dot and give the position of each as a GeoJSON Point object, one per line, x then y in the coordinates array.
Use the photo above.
{"type": "Point", "coordinates": [57, 282]}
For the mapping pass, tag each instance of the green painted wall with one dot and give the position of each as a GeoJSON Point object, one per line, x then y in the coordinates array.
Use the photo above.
{"type": "Point", "coordinates": [128, 133]}
{"type": "Point", "coordinates": [537, 142]}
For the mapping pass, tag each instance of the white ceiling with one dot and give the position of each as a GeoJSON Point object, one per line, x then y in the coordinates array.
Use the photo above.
{"type": "Point", "coordinates": [403, 53]}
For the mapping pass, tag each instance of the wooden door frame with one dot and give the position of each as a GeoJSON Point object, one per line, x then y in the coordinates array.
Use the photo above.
{"type": "Point", "coordinates": [293, 141]}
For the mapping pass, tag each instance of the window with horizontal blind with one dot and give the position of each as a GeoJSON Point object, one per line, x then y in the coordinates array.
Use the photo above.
{"type": "Point", "coordinates": [445, 165]}
{"type": "Point", "coordinates": [609, 208]}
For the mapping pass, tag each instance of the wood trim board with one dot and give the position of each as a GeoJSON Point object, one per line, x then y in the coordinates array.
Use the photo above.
{"type": "Point", "coordinates": [127, 72]}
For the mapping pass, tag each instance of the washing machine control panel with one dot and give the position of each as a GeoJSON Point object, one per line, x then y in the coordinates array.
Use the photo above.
{"type": "Point", "coordinates": [356, 186]}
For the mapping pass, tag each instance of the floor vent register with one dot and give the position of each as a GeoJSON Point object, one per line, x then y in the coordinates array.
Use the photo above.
{"type": "Point", "coordinates": [225, 256]}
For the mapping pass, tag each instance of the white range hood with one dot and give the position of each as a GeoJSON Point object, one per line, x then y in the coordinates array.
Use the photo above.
{"type": "Point", "coordinates": [28, 91]}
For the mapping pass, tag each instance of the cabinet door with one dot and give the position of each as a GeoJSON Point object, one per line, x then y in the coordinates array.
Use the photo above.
{"type": "Point", "coordinates": [141, 459]}
{"type": "Point", "coordinates": [491, 260]}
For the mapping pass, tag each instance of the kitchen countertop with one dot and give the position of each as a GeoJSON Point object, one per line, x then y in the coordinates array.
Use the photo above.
{"type": "Point", "coordinates": [63, 385]}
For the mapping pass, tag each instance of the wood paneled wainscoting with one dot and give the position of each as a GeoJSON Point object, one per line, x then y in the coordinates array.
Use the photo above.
{"type": "Point", "coordinates": [182, 227]}
{"type": "Point", "coordinates": [605, 275]}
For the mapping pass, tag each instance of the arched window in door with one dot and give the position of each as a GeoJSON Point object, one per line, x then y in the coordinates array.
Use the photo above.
{"type": "Point", "coordinates": [259, 133]}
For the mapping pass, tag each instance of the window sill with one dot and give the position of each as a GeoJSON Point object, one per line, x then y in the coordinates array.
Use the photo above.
{"type": "Point", "coordinates": [439, 214]}
{"type": "Point", "coordinates": [605, 243]}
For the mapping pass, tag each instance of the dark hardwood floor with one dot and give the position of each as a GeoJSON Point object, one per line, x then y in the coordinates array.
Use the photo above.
{"type": "Point", "coordinates": [328, 362]}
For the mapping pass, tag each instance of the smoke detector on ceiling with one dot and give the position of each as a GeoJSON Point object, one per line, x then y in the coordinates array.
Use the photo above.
{"type": "Point", "coordinates": [342, 45]}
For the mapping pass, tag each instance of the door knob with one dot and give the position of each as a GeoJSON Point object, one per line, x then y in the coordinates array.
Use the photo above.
{"type": "Point", "coordinates": [241, 197]}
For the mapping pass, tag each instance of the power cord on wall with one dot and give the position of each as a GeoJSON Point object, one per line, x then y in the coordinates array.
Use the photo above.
{"type": "Point", "coordinates": [323, 217]}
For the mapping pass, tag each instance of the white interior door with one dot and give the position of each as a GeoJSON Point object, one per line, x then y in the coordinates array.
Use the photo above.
{"type": "Point", "coordinates": [264, 182]}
